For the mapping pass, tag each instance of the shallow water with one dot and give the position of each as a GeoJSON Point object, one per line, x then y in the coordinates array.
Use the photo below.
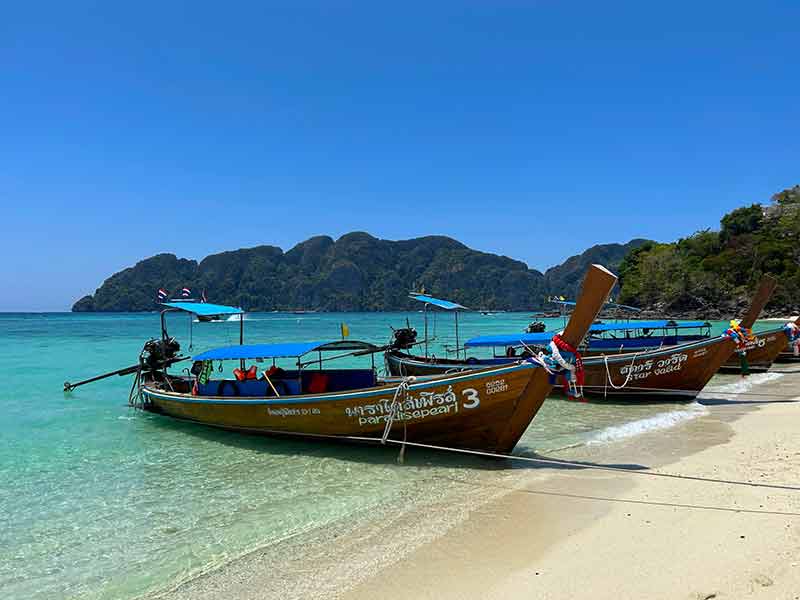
{"type": "Point", "coordinates": [99, 501]}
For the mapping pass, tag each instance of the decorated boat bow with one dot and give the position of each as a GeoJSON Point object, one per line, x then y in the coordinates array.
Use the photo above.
{"type": "Point", "coordinates": [562, 360]}
{"type": "Point", "coordinates": [741, 336]}
{"type": "Point", "coordinates": [792, 330]}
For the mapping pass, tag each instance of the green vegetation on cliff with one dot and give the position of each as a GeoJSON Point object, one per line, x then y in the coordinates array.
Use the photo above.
{"type": "Point", "coordinates": [712, 273]}
{"type": "Point", "coordinates": [355, 272]}
{"type": "Point", "coordinates": [566, 278]}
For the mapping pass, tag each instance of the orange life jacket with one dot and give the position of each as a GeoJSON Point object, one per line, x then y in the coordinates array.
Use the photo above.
{"type": "Point", "coordinates": [251, 373]}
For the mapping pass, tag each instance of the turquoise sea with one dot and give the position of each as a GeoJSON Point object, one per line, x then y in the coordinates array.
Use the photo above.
{"type": "Point", "coordinates": [99, 501]}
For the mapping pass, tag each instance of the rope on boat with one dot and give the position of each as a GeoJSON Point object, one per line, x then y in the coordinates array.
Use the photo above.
{"type": "Point", "coordinates": [135, 394]}
{"type": "Point", "coordinates": [729, 509]}
{"type": "Point", "coordinates": [608, 375]}
{"type": "Point", "coordinates": [649, 391]}
{"type": "Point", "coordinates": [541, 461]}
{"type": "Point", "coordinates": [568, 463]}
{"type": "Point", "coordinates": [395, 407]}
{"type": "Point", "coordinates": [553, 363]}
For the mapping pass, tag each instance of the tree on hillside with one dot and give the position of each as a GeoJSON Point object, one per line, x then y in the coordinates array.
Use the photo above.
{"type": "Point", "coordinates": [742, 220]}
{"type": "Point", "coordinates": [788, 196]}
{"type": "Point", "coordinates": [713, 274]}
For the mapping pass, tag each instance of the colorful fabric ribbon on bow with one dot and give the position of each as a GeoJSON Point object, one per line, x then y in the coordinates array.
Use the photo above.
{"type": "Point", "coordinates": [793, 333]}
{"type": "Point", "coordinates": [741, 336]}
{"type": "Point", "coordinates": [557, 364]}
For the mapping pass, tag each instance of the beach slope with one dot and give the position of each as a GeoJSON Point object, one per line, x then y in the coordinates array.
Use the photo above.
{"type": "Point", "coordinates": [593, 534]}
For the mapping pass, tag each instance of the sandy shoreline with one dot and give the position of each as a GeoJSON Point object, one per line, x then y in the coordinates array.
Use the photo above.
{"type": "Point", "coordinates": [576, 533]}
{"type": "Point", "coordinates": [591, 534]}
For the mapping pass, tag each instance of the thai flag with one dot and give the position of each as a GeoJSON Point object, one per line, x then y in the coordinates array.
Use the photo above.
{"type": "Point", "coordinates": [186, 292]}
{"type": "Point", "coordinates": [162, 294]}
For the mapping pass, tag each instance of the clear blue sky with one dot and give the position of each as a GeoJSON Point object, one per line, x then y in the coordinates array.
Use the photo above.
{"type": "Point", "coordinates": [531, 129]}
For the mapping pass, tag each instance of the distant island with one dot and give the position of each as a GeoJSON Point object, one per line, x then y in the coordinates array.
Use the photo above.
{"type": "Point", "coordinates": [709, 274]}
{"type": "Point", "coordinates": [357, 272]}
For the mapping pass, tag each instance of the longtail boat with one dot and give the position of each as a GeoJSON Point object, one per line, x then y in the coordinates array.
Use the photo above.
{"type": "Point", "coordinates": [670, 373]}
{"type": "Point", "coordinates": [487, 410]}
{"type": "Point", "coordinates": [763, 350]}
{"type": "Point", "coordinates": [634, 336]}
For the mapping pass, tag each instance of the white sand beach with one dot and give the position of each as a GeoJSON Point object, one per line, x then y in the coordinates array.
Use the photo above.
{"type": "Point", "coordinates": [593, 534]}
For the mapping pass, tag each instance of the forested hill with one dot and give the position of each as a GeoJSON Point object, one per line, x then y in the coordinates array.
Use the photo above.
{"type": "Point", "coordinates": [355, 272]}
{"type": "Point", "coordinates": [566, 278]}
{"type": "Point", "coordinates": [713, 273]}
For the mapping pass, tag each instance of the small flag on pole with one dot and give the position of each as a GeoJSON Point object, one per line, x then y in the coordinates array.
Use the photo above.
{"type": "Point", "coordinates": [186, 292]}
{"type": "Point", "coordinates": [162, 294]}
{"type": "Point", "coordinates": [345, 330]}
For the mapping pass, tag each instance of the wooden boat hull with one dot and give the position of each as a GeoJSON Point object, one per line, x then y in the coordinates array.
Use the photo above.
{"type": "Point", "coordinates": [761, 353]}
{"type": "Point", "coordinates": [675, 373]}
{"type": "Point", "coordinates": [787, 356]}
{"type": "Point", "coordinates": [486, 410]}
{"type": "Point", "coordinates": [668, 374]}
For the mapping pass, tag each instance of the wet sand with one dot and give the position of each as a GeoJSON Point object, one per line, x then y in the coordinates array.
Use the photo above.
{"type": "Point", "coordinates": [567, 532]}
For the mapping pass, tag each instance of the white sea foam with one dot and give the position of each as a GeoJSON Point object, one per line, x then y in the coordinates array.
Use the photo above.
{"type": "Point", "coordinates": [674, 417]}
{"type": "Point", "coordinates": [661, 421]}
{"type": "Point", "coordinates": [744, 385]}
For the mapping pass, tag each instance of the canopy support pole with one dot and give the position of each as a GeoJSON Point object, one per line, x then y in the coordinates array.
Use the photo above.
{"type": "Point", "coordinates": [241, 337]}
{"type": "Point", "coordinates": [426, 330]}
{"type": "Point", "coordinates": [457, 347]}
{"type": "Point", "coordinates": [164, 325]}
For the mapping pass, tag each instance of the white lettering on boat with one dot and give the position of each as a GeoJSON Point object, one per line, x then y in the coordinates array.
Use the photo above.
{"type": "Point", "coordinates": [496, 386]}
{"type": "Point", "coordinates": [292, 412]}
{"type": "Point", "coordinates": [757, 343]}
{"type": "Point", "coordinates": [472, 398]}
{"type": "Point", "coordinates": [411, 408]}
{"type": "Point", "coordinates": [643, 370]}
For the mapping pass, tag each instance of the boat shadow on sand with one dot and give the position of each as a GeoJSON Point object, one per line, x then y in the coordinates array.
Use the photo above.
{"type": "Point", "coordinates": [729, 402]}
{"type": "Point", "coordinates": [377, 454]}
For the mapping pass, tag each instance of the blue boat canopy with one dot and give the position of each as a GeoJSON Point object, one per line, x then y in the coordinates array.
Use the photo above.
{"type": "Point", "coordinates": [203, 309]}
{"type": "Point", "coordinates": [631, 325]}
{"type": "Point", "coordinates": [611, 304]}
{"type": "Point", "coordinates": [511, 339]}
{"type": "Point", "coordinates": [286, 350]}
{"type": "Point", "coordinates": [445, 304]}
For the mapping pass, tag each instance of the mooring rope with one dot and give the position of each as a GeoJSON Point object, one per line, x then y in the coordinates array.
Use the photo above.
{"type": "Point", "coordinates": [608, 374]}
{"type": "Point", "coordinates": [580, 465]}
{"type": "Point", "coordinates": [531, 459]}
{"type": "Point", "coordinates": [526, 490]}
{"type": "Point", "coordinates": [402, 388]}
{"type": "Point", "coordinates": [705, 390]}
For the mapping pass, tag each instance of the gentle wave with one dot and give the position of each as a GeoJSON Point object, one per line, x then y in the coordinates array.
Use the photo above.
{"type": "Point", "coordinates": [675, 417]}
{"type": "Point", "coordinates": [744, 385]}
{"type": "Point", "coordinates": [640, 426]}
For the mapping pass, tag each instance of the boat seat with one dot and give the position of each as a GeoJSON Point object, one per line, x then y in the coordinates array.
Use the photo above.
{"type": "Point", "coordinates": [338, 380]}
{"type": "Point", "coordinates": [341, 380]}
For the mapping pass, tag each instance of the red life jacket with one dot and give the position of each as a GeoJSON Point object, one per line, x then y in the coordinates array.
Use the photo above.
{"type": "Point", "coordinates": [251, 373]}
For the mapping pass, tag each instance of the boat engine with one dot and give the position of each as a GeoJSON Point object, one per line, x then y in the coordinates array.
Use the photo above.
{"type": "Point", "coordinates": [403, 338]}
{"type": "Point", "coordinates": [158, 353]}
{"type": "Point", "coordinates": [536, 327]}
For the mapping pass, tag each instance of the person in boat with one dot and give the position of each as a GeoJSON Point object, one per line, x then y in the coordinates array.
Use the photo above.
{"type": "Point", "coordinates": [511, 352]}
